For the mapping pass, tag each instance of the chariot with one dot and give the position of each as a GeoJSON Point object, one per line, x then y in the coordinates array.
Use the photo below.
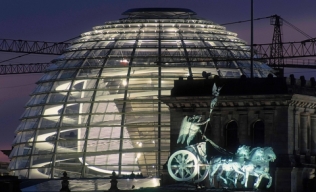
{"type": "Point", "coordinates": [191, 163]}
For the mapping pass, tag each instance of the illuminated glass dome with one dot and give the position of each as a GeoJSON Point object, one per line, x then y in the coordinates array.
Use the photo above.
{"type": "Point", "coordinates": [97, 107]}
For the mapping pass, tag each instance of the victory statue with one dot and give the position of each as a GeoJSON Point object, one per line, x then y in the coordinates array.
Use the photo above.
{"type": "Point", "coordinates": [191, 164]}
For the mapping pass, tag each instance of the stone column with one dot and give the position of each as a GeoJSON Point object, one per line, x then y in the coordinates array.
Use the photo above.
{"type": "Point", "coordinates": [268, 127]}
{"type": "Point", "coordinates": [296, 124]}
{"type": "Point", "coordinates": [243, 127]}
{"type": "Point", "coordinates": [296, 180]}
{"type": "Point", "coordinates": [304, 133]}
{"type": "Point", "coordinates": [313, 134]}
{"type": "Point", "coordinates": [217, 129]}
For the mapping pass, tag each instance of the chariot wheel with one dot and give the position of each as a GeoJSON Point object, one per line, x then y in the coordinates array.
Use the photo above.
{"type": "Point", "coordinates": [183, 165]}
{"type": "Point", "coordinates": [202, 173]}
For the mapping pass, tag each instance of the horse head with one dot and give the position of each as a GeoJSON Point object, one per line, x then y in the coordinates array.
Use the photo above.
{"type": "Point", "coordinates": [243, 151]}
{"type": "Point", "coordinates": [269, 154]}
{"type": "Point", "coordinates": [256, 155]}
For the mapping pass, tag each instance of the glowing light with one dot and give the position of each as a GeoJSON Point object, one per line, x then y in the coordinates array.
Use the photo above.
{"type": "Point", "coordinates": [124, 61]}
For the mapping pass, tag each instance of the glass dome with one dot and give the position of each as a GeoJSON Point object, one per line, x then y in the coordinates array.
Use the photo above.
{"type": "Point", "coordinates": [97, 107]}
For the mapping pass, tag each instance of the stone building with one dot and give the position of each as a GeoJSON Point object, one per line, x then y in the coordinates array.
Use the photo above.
{"type": "Point", "coordinates": [275, 112]}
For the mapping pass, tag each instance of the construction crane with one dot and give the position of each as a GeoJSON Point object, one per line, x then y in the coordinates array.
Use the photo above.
{"type": "Point", "coordinates": [34, 47]}
{"type": "Point", "coordinates": [278, 54]}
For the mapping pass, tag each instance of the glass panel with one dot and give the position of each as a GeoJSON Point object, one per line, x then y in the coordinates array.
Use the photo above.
{"type": "Point", "coordinates": [67, 146]}
{"type": "Point", "coordinates": [45, 147]}
{"type": "Point", "coordinates": [97, 53]}
{"type": "Point", "coordinates": [72, 108]}
{"type": "Point", "coordinates": [33, 111]}
{"type": "Point", "coordinates": [12, 164]}
{"type": "Point", "coordinates": [57, 97]}
{"type": "Point", "coordinates": [55, 65]}
{"type": "Point", "coordinates": [53, 109]}
{"type": "Point", "coordinates": [80, 53]}
{"type": "Point", "coordinates": [88, 72]}
{"type": "Point", "coordinates": [28, 124]}
{"type": "Point", "coordinates": [26, 136]}
{"type": "Point", "coordinates": [230, 73]}
{"type": "Point", "coordinates": [49, 76]}
{"type": "Point", "coordinates": [43, 170]}
{"type": "Point", "coordinates": [87, 45]}
{"type": "Point", "coordinates": [44, 134]}
{"type": "Point", "coordinates": [44, 87]}
{"type": "Point", "coordinates": [37, 99]}
{"type": "Point", "coordinates": [65, 74]}
{"type": "Point", "coordinates": [61, 86]}
{"type": "Point", "coordinates": [81, 96]}
{"type": "Point", "coordinates": [50, 122]}
{"type": "Point", "coordinates": [22, 162]}
{"type": "Point", "coordinates": [42, 160]}
{"type": "Point", "coordinates": [110, 132]}
{"type": "Point", "coordinates": [70, 120]}
{"type": "Point", "coordinates": [94, 133]}
{"type": "Point", "coordinates": [73, 63]}
{"type": "Point", "coordinates": [93, 62]}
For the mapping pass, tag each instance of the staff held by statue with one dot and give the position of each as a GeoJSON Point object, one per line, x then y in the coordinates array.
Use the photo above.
{"type": "Point", "coordinates": [215, 94]}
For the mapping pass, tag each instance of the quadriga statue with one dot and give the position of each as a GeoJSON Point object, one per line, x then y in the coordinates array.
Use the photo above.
{"type": "Point", "coordinates": [191, 164]}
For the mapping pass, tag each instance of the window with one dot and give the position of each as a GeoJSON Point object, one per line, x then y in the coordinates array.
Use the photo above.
{"type": "Point", "coordinates": [231, 136]}
{"type": "Point", "coordinates": [257, 133]}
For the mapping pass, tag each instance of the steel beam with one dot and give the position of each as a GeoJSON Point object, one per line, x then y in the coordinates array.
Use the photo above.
{"type": "Point", "coordinates": [35, 47]}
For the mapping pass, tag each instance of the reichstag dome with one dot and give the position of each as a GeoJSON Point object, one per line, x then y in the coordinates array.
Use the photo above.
{"type": "Point", "coordinates": [98, 109]}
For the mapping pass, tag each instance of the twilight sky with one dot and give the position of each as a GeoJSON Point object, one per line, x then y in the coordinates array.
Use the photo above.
{"type": "Point", "coordinates": [60, 20]}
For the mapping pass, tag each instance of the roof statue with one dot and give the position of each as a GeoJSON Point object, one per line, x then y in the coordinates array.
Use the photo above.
{"type": "Point", "coordinates": [190, 125]}
{"type": "Point", "coordinates": [215, 93]}
{"type": "Point", "coordinates": [191, 163]}
{"type": "Point", "coordinates": [189, 128]}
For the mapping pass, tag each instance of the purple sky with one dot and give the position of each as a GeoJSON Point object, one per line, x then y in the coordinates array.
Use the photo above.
{"type": "Point", "coordinates": [61, 20]}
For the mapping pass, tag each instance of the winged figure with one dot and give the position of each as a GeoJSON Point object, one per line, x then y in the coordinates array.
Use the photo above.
{"type": "Point", "coordinates": [189, 127]}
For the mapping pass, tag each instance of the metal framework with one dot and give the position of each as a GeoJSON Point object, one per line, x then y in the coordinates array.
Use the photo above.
{"type": "Point", "coordinates": [23, 68]}
{"type": "Point", "coordinates": [36, 47]}
{"type": "Point", "coordinates": [290, 50]}
{"type": "Point", "coordinates": [276, 49]}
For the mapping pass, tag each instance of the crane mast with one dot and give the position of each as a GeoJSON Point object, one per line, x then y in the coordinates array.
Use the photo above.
{"type": "Point", "coordinates": [276, 51]}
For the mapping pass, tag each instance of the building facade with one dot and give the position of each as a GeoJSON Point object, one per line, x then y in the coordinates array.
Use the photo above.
{"type": "Point", "coordinates": [267, 112]}
{"type": "Point", "coordinates": [98, 107]}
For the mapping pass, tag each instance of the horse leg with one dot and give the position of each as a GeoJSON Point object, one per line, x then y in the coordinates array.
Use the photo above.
{"type": "Point", "coordinates": [219, 176]}
{"type": "Point", "coordinates": [236, 179]}
{"type": "Point", "coordinates": [270, 182]}
{"type": "Point", "coordinates": [245, 180]}
{"type": "Point", "coordinates": [232, 178]}
{"type": "Point", "coordinates": [212, 171]}
{"type": "Point", "coordinates": [256, 185]}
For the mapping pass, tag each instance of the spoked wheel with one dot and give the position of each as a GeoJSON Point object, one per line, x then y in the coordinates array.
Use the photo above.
{"type": "Point", "coordinates": [183, 165]}
{"type": "Point", "coordinates": [202, 173]}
